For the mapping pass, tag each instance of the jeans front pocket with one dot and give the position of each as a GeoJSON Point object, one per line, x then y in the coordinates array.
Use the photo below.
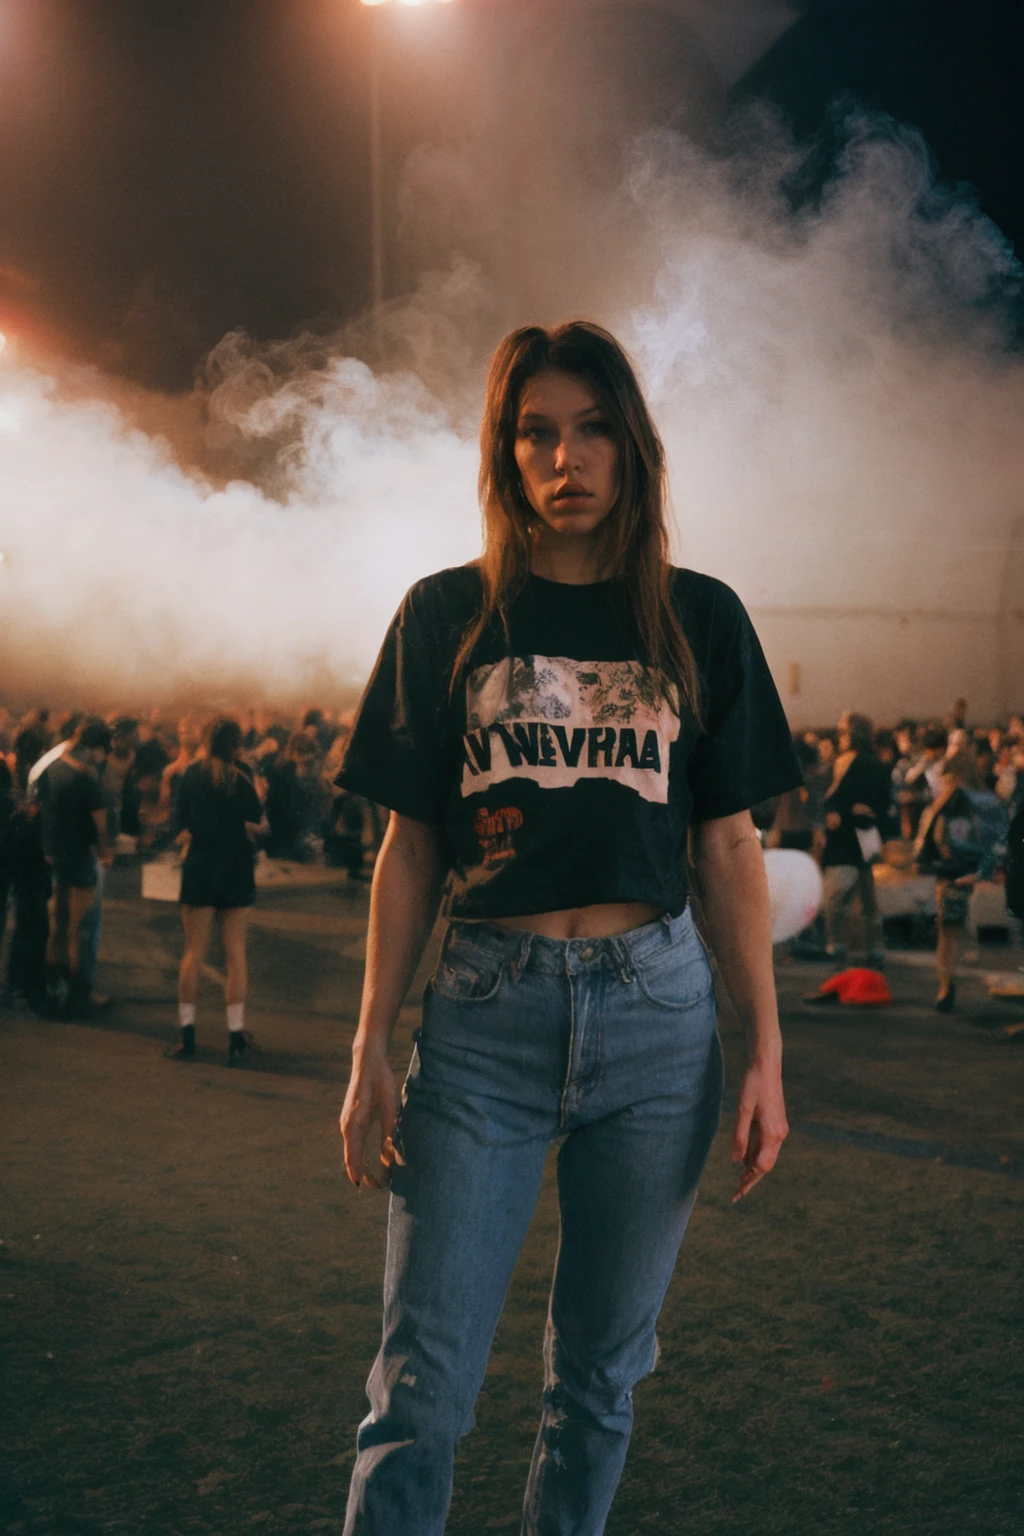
{"type": "Point", "coordinates": [678, 976]}
{"type": "Point", "coordinates": [467, 973]}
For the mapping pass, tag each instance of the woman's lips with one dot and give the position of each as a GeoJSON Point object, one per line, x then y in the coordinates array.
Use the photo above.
{"type": "Point", "coordinates": [573, 493]}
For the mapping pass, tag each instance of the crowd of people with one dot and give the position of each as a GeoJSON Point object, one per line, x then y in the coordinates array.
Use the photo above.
{"type": "Point", "coordinates": [939, 795]}
{"type": "Point", "coordinates": [78, 791]}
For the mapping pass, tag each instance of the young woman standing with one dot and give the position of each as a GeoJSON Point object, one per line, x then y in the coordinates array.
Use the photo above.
{"type": "Point", "coordinates": [217, 816]}
{"type": "Point", "coordinates": [959, 840]}
{"type": "Point", "coordinates": [548, 726]}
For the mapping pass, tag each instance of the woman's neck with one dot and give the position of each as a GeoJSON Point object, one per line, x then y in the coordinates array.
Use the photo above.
{"type": "Point", "coordinates": [575, 562]}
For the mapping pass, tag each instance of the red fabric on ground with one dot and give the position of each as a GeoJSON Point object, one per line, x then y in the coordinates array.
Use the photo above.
{"type": "Point", "coordinates": [858, 986]}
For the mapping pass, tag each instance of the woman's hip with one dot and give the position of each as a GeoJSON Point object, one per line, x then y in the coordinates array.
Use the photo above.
{"type": "Point", "coordinates": [540, 1022]}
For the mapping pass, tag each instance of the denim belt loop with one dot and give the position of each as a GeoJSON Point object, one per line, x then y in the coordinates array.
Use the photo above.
{"type": "Point", "coordinates": [518, 965]}
{"type": "Point", "coordinates": [621, 951]}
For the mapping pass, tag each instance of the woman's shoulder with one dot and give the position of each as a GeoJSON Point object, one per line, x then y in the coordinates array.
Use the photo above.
{"type": "Point", "coordinates": [709, 610]}
{"type": "Point", "coordinates": [455, 588]}
{"type": "Point", "coordinates": [438, 608]}
{"type": "Point", "coordinates": [703, 596]}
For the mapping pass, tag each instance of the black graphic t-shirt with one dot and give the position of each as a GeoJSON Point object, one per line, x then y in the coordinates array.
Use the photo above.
{"type": "Point", "coordinates": [554, 773]}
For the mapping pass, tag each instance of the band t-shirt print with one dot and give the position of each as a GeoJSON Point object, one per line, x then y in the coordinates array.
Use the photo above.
{"type": "Point", "coordinates": [556, 721]}
{"type": "Point", "coordinates": [554, 772]}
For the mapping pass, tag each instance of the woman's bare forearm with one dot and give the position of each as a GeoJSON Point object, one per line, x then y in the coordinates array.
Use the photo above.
{"type": "Point", "coordinates": [733, 890]}
{"type": "Point", "coordinates": [403, 905]}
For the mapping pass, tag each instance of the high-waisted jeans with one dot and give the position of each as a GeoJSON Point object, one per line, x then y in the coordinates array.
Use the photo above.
{"type": "Point", "coordinates": [612, 1045]}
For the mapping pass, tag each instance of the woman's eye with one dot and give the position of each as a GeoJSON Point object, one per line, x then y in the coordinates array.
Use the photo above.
{"type": "Point", "coordinates": [598, 428]}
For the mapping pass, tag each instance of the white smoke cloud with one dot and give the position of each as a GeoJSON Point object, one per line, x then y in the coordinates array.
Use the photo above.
{"type": "Point", "coordinates": [840, 409]}
{"type": "Point", "coordinates": [126, 579]}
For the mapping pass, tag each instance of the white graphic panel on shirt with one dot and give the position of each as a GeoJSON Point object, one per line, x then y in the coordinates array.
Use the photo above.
{"type": "Point", "coordinates": [556, 721]}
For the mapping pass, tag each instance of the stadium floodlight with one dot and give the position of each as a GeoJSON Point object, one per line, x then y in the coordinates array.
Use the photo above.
{"type": "Point", "coordinates": [376, 174]}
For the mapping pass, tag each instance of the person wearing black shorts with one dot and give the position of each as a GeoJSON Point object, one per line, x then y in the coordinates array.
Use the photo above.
{"type": "Point", "coordinates": [74, 817]}
{"type": "Point", "coordinates": [218, 813]}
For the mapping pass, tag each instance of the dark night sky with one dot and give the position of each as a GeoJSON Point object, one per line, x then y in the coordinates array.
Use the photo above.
{"type": "Point", "coordinates": [171, 169]}
{"type": "Point", "coordinates": [952, 68]}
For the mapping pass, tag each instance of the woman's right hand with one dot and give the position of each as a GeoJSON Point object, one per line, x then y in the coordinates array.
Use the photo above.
{"type": "Point", "coordinates": [372, 1095]}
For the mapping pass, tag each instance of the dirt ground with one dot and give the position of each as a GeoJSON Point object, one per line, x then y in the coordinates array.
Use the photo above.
{"type": "Point", "coordinates": [189, 1289]}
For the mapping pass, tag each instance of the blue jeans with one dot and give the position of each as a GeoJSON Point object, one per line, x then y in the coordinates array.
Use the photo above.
{"type": "Point", "coordinates": [612, 1045]}
{"type": "Point", "coordinates": [90, 931]}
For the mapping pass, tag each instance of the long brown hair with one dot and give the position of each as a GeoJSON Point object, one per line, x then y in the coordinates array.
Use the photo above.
{"type": "Point", "coordinates": [223, 737]}
{"type": "Point", "coordinates": [635, 536]}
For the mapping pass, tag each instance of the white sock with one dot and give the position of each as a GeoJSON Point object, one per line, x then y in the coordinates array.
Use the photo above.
{"type": "Point", "coordinates": [236, 1016]}
{"type": "Point", "coordinates": [186, 1014]}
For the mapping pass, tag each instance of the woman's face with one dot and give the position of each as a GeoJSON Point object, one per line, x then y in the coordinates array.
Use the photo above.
{"type": "Point", "coordinates": [566, 454]}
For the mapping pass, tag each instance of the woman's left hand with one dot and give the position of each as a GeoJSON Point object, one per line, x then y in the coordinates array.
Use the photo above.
{"type": "Point", "coordinates": [761, 1124]}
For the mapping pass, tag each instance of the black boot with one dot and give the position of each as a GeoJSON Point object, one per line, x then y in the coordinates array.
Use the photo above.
{"type": "Point", "coordinates": [187, 1049]}
{"type": "Point", "coordinates": [237, 1047]}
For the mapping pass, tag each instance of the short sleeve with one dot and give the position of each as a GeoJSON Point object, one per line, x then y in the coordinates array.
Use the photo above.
{"type": "Point", "coordinates": [745, 753]}
{"type": "Point", "coordinates": [398, 755]}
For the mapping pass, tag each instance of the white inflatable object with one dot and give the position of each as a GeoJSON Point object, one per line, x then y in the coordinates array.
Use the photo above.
{"type": "Point", "coordinates": [794, 891]}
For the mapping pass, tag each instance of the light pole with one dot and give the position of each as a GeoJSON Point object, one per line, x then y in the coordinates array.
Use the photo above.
{"type": "Point", "coordinates": [377, 175]}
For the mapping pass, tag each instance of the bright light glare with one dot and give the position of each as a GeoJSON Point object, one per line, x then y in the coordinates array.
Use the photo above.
{"type": "Point", "coordinates": [407, 2]}
{"type": "Point", "coordinates": [10, 417]}
{"type": "Point", "coordinates": [3, 341]}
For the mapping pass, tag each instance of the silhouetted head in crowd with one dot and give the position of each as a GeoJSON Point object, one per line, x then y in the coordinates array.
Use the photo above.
{"type": "Point", "coordinates": [962, 768]}
{"type": "Point", "coordinates": [856, 733]}
{"type": "Point", "coordinates": [223, 741]}
{"type": "Point", "coordinates": [92, 740]}
{"type": "Point", "coordinates": [302, 751]}
{"type": "Point", "coordinates": [806, 751]}
{"type": "Point", "coordinates": [885, 746]}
